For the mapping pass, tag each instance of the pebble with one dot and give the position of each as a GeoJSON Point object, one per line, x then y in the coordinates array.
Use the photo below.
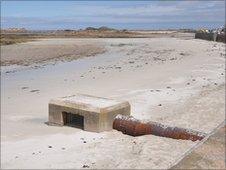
{"type": "Point", "coordinates": [34, 90]}
{"type": "Point", "coordinates": [85, 166]}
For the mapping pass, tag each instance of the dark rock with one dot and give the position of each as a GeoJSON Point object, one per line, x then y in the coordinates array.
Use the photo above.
{"type": "Point", "coordinates": [34, 90]}
{"type": "Point", "coordinates": [85, 166]}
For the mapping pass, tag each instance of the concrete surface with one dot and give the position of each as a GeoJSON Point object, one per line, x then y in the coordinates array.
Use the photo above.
{"type": "Point", "coordinates": [97, 113]}
{"type": "Point", "coordinates": [209, 155]}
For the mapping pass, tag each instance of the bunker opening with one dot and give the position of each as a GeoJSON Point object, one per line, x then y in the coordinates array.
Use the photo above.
{"type": "Point", "coordinates": [73, 120]}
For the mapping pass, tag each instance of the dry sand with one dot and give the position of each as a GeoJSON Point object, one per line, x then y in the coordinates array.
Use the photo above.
{"type": "Point", "coordinates": [187, 77]}
{"type": "Point", "coordinates": [208, 154]}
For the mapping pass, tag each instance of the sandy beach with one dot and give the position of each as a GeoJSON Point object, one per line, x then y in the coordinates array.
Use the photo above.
{"type": "Point", "coordinates": [176, 81]}
{"type": "Point", "coordinates": [48, 50]}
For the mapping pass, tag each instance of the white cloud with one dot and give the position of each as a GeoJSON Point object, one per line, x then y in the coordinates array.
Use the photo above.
{"type": "Point", "coordinates": [151, 12]}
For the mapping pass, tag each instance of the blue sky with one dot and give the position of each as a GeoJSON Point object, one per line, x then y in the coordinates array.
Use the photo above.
{"type": "Point", "coordinates": [117, 14]}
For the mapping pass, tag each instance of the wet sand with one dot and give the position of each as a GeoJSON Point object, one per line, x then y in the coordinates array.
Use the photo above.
{"type": "Point", "coordinates": [49, 50]}
{"type": "Point", "coordinates": [187, 77]}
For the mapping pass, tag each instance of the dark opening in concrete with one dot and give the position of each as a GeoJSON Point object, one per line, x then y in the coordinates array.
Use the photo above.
{"type": "Point", "coordinates": [73, 120]}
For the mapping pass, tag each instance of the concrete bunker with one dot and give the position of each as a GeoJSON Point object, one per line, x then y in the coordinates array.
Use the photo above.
{"type": "Point", "coordinates": [90, 113]}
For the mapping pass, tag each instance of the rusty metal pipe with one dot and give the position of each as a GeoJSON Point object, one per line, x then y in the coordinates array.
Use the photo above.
{"type": "Point", "coordinates": [134, 127]}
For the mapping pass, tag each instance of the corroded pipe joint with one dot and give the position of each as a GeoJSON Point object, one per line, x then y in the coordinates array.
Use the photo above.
{"type": "Point", "coordinates": [134, 127]}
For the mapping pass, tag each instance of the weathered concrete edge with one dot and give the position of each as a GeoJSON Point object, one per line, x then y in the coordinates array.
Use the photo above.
{"type": "Point", "coordinates": [85, 107]}
{"type": "Point", "coordinates": [81, 106]}
{"type": "Point", "coordinates": [198, 144]}
{"type": "Point", "coordinates": [118, 106]}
